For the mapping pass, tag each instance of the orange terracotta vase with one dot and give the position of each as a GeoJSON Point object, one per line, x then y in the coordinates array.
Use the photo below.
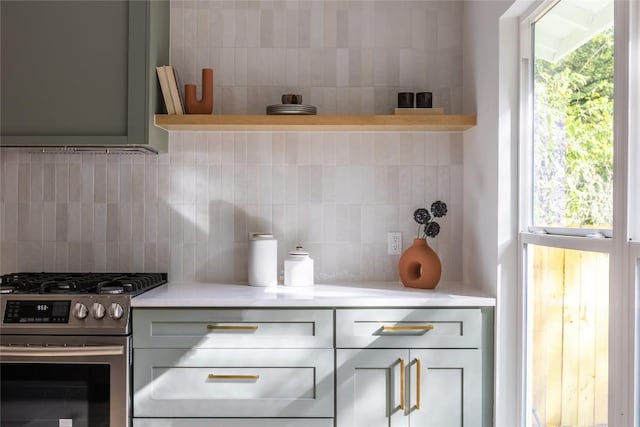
{"type": "Point", "coordinates": [419, 266]}
{"type": "Point", "coordinates": [192, 104]}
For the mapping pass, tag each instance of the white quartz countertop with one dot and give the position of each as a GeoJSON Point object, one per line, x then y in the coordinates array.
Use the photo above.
{"type": "Point", "coordinates": [375, 294]}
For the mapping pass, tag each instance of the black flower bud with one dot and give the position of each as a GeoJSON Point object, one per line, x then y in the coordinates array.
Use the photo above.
{"type": "Point", "coordinates": [421, 216]}
{"type": "Point", "coordinates": [432, 229]}
{"type": "Point", "coordinates": [439, 209]}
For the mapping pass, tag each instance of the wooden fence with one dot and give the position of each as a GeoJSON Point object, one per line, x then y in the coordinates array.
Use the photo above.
{"type": "Point", "coordinates": [569, 381]}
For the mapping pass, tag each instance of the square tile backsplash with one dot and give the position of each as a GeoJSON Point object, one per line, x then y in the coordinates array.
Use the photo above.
{"type": "Point", "coordinates": [337, 194]}
{"type": "Point", "coordinates": [189, 212]}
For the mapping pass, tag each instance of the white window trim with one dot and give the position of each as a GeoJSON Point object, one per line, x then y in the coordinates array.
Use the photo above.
{"type": "Point", "coordinates": [624, 350]}
{"type": "Point", "coordinates": [622, 296]}
{"type": "Point", "coordinates": [633, 194]}
{"type": "Point", "coordinates": [634, 120]}
{"type": "Point", "coordinates": [634, 281]}
{"type": "Point", "coordinates": [569, 242]}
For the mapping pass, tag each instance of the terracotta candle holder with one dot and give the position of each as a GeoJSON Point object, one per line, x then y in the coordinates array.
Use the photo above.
{"type": "Point", "coordinates": [205, 105]}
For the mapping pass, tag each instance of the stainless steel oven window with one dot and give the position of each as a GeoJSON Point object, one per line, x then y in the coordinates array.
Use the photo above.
{"type": "Point", "coordinates": [48, 394]}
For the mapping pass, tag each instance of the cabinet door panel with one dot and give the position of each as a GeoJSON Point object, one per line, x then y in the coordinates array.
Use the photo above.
{"type": "Point", "coordinates": [82, 73]}
{"type": "Point", "coordinates": [232, 328]}
{"type": "Point", "coordinates": [450, 388]}
{"type": "Point", "coordinates": [228, 383]}
{"type": "Point", "coordinates": [68, 52]}
{"type": "Point", "coordinates": [233, 383]}
{"type": "Point", "coordinates": [368, 391]}
{"type": "Point", "coordinates": [408, 328]}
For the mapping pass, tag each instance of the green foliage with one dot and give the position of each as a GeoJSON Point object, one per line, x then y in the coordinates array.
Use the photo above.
{"type": "Point", "coordinates": [573, 138]}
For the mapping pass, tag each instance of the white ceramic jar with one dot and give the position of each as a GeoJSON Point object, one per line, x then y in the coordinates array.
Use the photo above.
{"type": "Point", "coordinates": [298, 268]}
{"type": "Point", "coordinates": [263, 260]}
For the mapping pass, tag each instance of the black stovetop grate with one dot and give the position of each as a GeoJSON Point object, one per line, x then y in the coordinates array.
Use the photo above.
{"type": "Point", "coordinates": [80, 283]}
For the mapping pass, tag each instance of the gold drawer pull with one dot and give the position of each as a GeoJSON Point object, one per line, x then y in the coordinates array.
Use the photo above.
{"type": "Point", "coordinates": [417, 383]}
{"type": "Point", "coordinates": [409, 328]}
{"type": "Point", "coordinates": [233, 377]}
{"type": "Point", "coordinates": [402, 384]}
{"type": "Point", "coordinates": [232, 327]}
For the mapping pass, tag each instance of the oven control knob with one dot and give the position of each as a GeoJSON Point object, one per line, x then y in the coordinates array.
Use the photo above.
{"type": "Point", "coordinates": [80, 311]}
{"type": "Point", "coordinates": [116, 311]}
{"type": "Point", "coordinates": [97, 310]}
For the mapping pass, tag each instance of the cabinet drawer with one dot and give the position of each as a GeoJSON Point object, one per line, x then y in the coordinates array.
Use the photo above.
{"type": "Point", "coordinates": [232, 328]}
{"type": "Point", "coordinates": [228, 383]}
{"type": "Point", "coordinates": [408, 328]}
{"type": "Point", "coordinates": [233, 422]}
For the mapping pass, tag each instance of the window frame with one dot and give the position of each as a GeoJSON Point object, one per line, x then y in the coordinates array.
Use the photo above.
{"type": "Point", "coordinates": [622, 243]}
{"type": "Point", "coordinates": [634, 279]}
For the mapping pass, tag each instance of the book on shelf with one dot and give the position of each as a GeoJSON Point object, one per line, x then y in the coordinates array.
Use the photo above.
{"type": "Point", "coordinates": [166, 92]}
{"type": "Point", "coordinates": [170, 92]}
{"type": "Point", "coordinates": [174, 89]}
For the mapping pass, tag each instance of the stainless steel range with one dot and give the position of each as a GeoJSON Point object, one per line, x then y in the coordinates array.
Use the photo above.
{"type": "Point", "coordinates": [65, 341]}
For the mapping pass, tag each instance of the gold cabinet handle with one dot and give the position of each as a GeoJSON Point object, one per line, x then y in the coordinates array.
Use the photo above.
{"type": "Point", "coordinates": [233, 377]}
{"type": "Point", "coordinates": [401, 383]}
{"type": "Point", "coordinates": [232, 327]}
{"type": "Point", "coordinates": [414, 328]}
{"type": "Point", "coordinates": [417, 383]}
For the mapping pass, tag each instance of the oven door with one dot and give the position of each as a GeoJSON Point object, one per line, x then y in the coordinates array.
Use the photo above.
{"type": "Point", "coordinates": [56, 381]}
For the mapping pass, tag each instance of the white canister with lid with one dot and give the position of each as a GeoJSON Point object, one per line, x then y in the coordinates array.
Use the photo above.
{"type": "Point", "coordinates": [263, 260]}
{"type": "Point", "coordinates": [298, 268]}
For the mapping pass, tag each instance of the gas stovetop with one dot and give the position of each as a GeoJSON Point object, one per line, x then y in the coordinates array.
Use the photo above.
{"type": "Point", "coordinates": [80, 283]}
{"type": "Point", "coordinates": [71, 303]}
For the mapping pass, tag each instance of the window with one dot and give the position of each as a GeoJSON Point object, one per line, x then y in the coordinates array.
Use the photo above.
{"type": "Point", "coordinates": [578, 156]}
{"type": "Point", "coordinates": [569, 299]}
{"type": "Point", "coordinates": [573, 116]}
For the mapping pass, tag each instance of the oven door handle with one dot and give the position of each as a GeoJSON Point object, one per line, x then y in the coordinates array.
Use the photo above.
{"type": "Point", "coordinates": [24, 351]}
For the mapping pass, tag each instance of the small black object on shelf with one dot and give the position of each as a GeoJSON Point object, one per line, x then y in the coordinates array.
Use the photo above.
{"type": "Point", "coordinates": [296, 109]}
{"type": "Point", "coordinates": [405, 99]}
{"type": "Point", "coordinates": [424, 100]}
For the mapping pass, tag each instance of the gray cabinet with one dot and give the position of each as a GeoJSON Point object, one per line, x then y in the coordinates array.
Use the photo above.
{"type": "Point", "coordinates": [218, 383]}
{"type": "Point", "coordinates": [81, 74]}
{"type": "Point", "coordinates": [380, 387]}
{"type": "Point", "coordinates": [370, 387]}
{"type": "Point", "coordinates": [418, 368]}
{"type": "Point", "coordinates": [232, 328]}
{"type": "Point", "coordinates": [237, 367]}
{"type": "Point", "coordinates": [403, 328]}
{"type": "Point", "coordinates": [450, 387]}
{"type": "Point", "coordinates": [233, 367]}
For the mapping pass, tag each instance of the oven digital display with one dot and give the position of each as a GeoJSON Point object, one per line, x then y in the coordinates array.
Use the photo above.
{"type": "Point", "coordinates": [37, 312]}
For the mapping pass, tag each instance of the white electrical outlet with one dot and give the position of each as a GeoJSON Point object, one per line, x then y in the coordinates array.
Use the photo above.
{"type": "Point", "coordinates": [394, 243]}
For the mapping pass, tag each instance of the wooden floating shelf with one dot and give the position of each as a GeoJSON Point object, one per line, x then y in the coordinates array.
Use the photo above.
{"type": "Point", "coordinates": [230, 122]}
